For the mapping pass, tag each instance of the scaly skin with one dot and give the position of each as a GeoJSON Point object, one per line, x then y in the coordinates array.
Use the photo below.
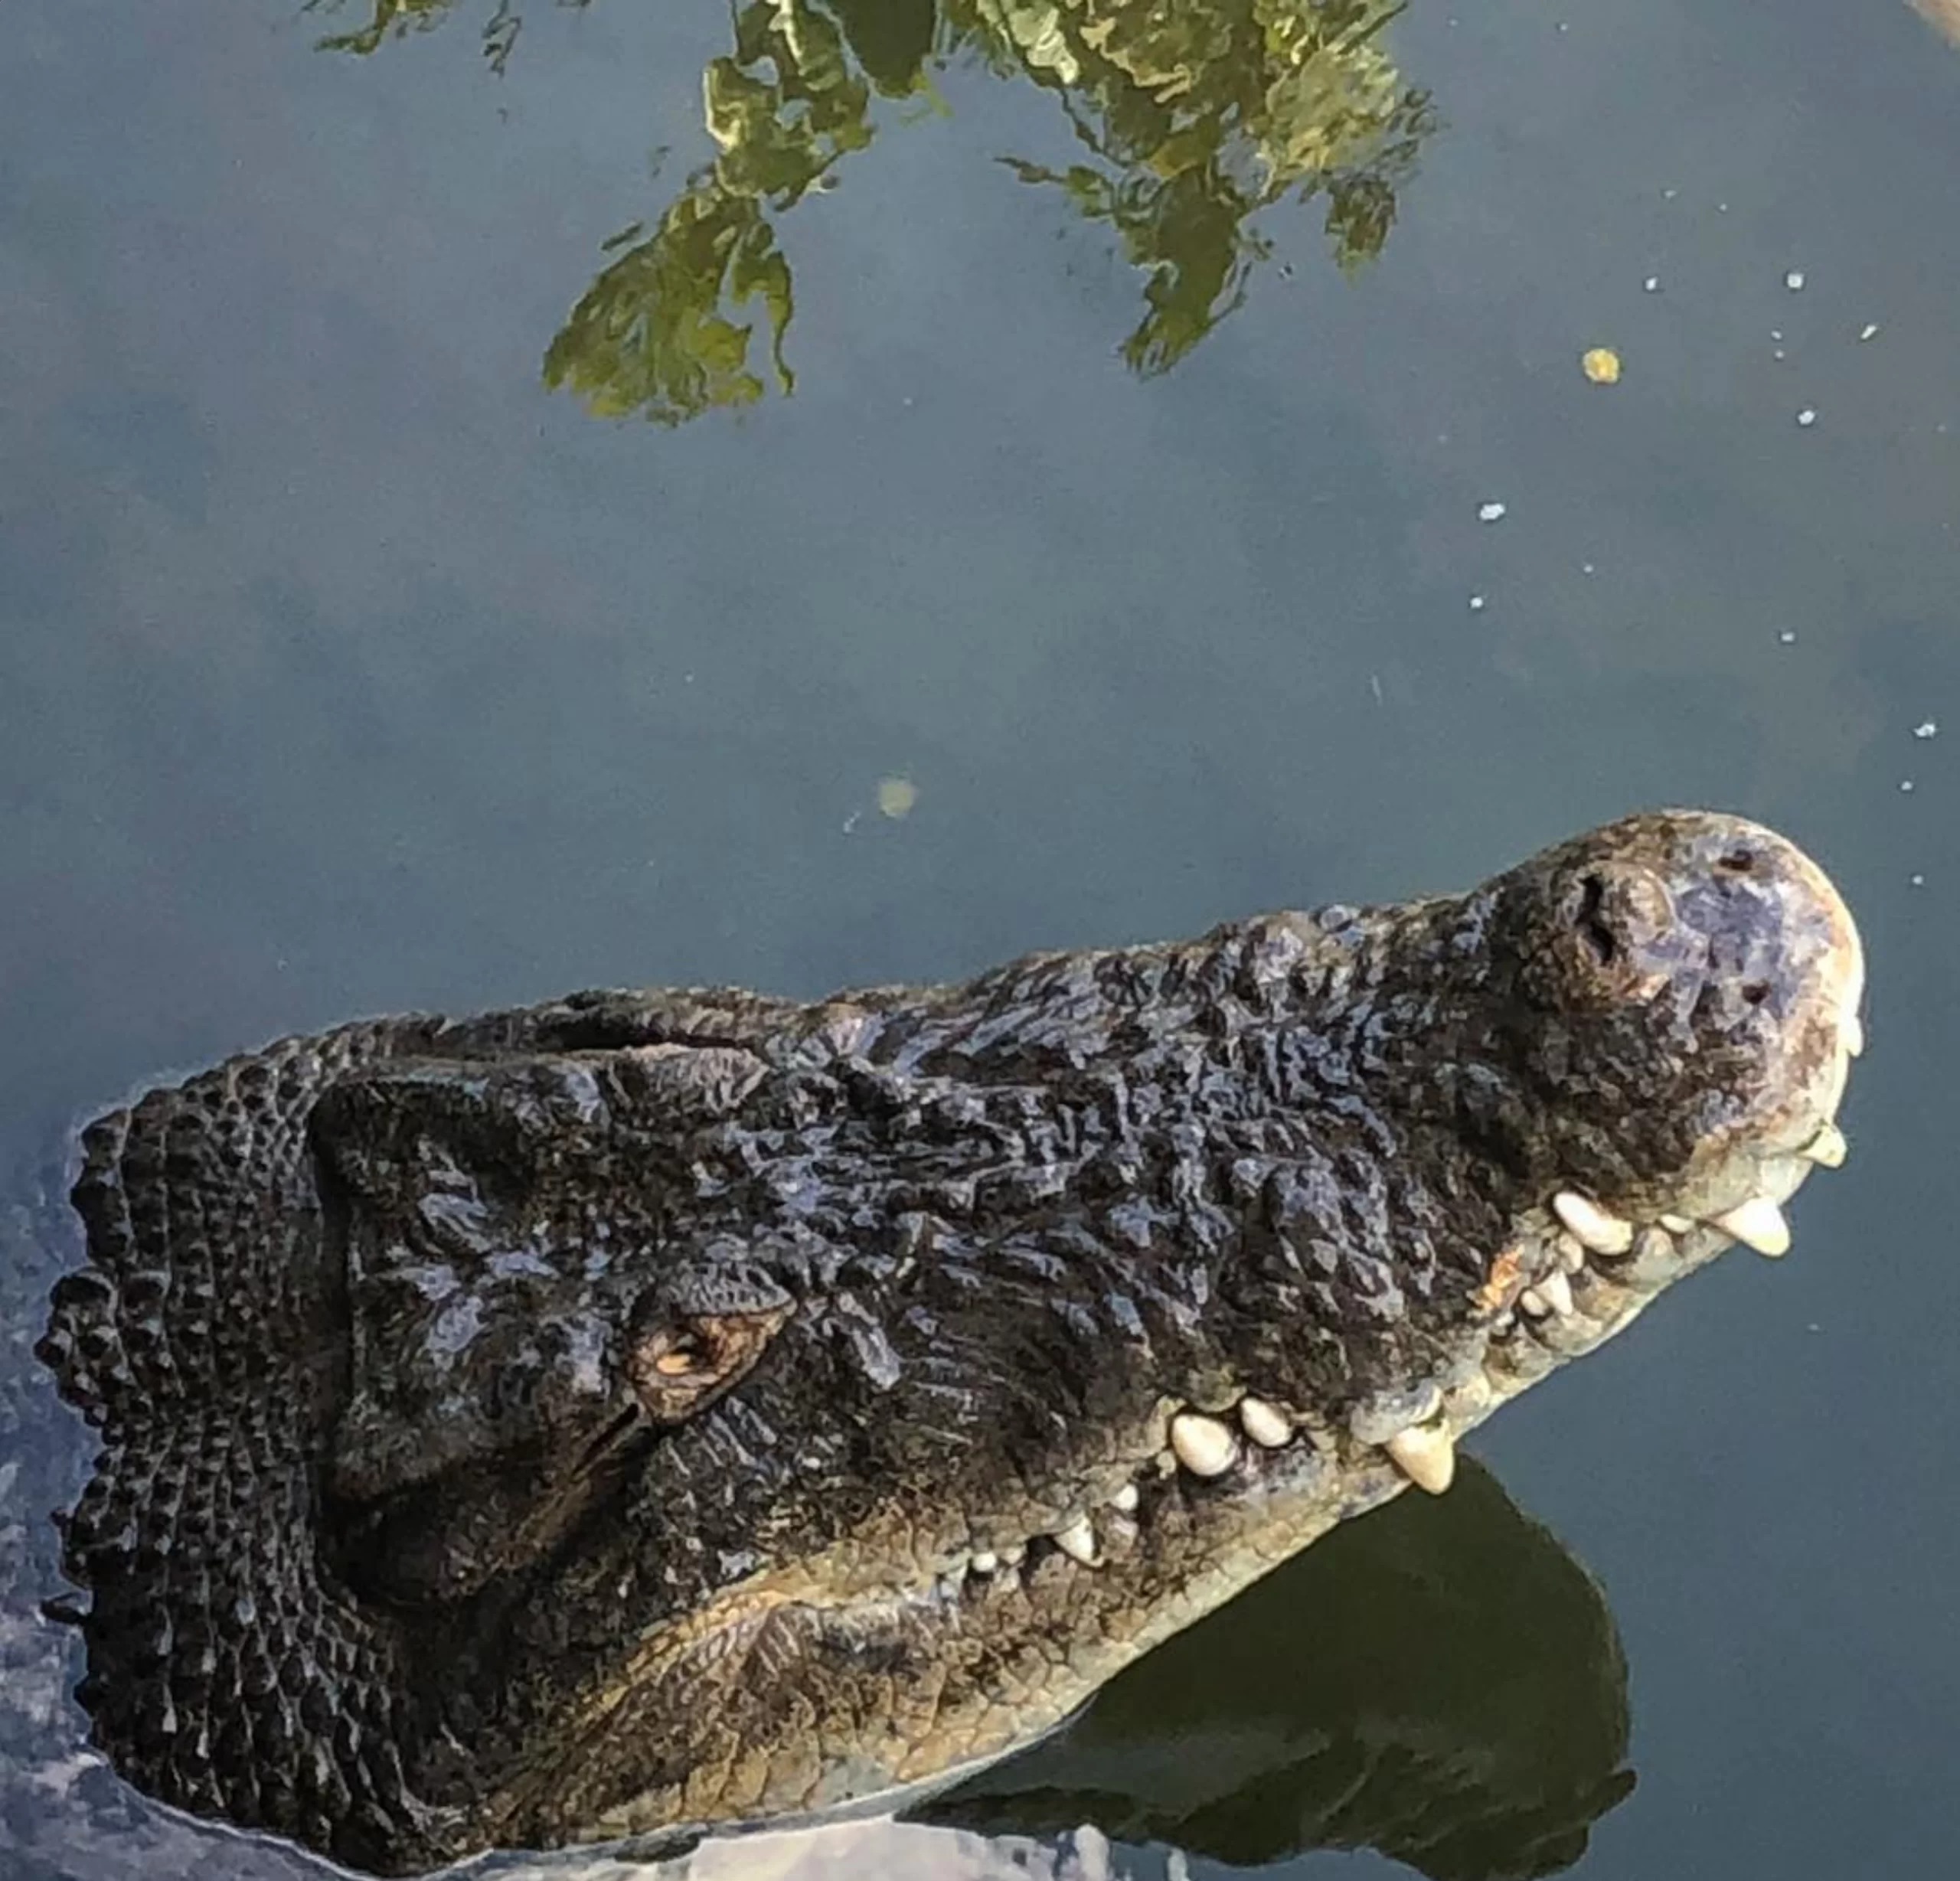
{"type": "Point", "coordinates": [653, 1409]}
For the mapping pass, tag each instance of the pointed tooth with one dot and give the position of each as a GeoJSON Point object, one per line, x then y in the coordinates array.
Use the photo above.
{"type": "Point", "coordinates": [1534, 1303]}
{"type": "Point", "coordinates": [1426, 1454]}
{"type": "Point", "coordinates": [1203, 1445]}
{"type": "Point", "coordinates": [1677, 1224]}
{"type": "Point", "coordinates": [1014, 1554]}
{"type": "Point", "coordinates": [1828, 1146]}
{"type": "Point", "coordinates": [1572, 1255]}
{"type": "Point", "coordinates": [1126, 1499]}
{"type": "Point", "coordinates": [1851, 1030]}
{"type": "Point", "coordinates": [1604, 1233]}
{"type": "Point", "coordinates": [985, 1562]}
{"type": "Point", "coordinates": [1555, 1291]}
{"type": "Point", "coordinates": [1758, 1223]}
{"type": "Point", "coordinates": [1265, 1424]}
{"type": "Point", "coordinates": [1078, 1541]}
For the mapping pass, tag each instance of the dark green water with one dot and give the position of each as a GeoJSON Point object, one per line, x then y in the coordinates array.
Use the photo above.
{"type": "Point", "coordinates": [407, 600]}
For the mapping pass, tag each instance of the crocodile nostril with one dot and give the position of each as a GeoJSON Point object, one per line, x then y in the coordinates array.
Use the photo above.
{"type": "Point", "coordinates": [1593, 927]}
{"type": "Point", "coordinates": [1737, 861]}
{"type": "Point", "coordinates": [1755, 992]}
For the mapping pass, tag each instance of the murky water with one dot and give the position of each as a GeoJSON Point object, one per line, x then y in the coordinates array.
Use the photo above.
{"type": "Point", "coordinates": [470, 527]}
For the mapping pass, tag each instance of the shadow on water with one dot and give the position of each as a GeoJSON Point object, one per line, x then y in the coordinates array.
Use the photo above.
{"type": "Point", "coordinates": [1190, 119]}
{"type": "Point", "coordinates": [1441, 1682]}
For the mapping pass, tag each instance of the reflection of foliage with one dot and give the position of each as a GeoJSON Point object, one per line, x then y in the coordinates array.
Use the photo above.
{"type": "Point", "coordinates": [650, 334]}
{"type": "Point", "coordinates": [394, 19]}
{"type": "Point", "coordinates": [1202, 113]}
{"type": "Point", "coordinates": [1195, 115]}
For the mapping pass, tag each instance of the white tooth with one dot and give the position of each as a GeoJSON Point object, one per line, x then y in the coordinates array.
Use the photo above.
{"type": "Point", "coordinates": [1126, 1499]}
{"type": "Point", "coordinates": [1265, 1424]}
{"type": "Point", "coordinates": [1828, 1146]}
{"type": "Point", "coordinates": [1555, 1291]}
{"type": "Point", "coordinates": [1851, 1030]}
{"type": "Point", "coordinates": [1426, 1454]}
{"type": "Point", "coordinates": [1572, 1256]}
{"type": "Point", "coordinates": [1013, 1555]}
{"type": "Point", "coordinates": [1758, 1223]}
{"type": "Point", "coordinates": [984, 1562]}
{"type": "Point", "coordinates": [1078, 1541]}
{"type": "Point", "coordinates": [1203, 1445]}
{"type": "Point", "coordinates": [1534, 1303]}
{"type": "Point", "coordinates": [1676, 1224]}
{"type": "Point", "coordinates": [1603, 1233]}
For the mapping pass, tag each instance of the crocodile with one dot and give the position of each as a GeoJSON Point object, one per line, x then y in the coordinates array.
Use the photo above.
{"type": "Point", "coordinates": [652, 1410]}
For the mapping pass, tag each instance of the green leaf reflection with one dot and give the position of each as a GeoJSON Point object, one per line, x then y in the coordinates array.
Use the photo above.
{"type": "Point", "coordinates": [1193, 116]}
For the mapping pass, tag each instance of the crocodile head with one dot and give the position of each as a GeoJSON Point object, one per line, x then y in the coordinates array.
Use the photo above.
{"type": "Point", "coordinates": [649, 1410]}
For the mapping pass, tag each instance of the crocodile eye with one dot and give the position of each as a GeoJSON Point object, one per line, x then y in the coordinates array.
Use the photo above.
{"type": "Point", "coordinates": [678, 1363]}
{"type": "Point", "coordinates": [684, 1356]}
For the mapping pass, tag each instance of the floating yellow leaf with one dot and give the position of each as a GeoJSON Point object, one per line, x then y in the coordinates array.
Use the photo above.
{"type": "Point", "coordinates": [896, 796]}
{"type": "Point", "coordinates": [1602, 365]}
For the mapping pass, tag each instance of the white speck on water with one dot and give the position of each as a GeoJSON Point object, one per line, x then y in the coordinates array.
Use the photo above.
{"type": "Point", "coordinates": [1668, 195]}
{"type": "Point", "coordinates": [1788, 636]}
{"type": "Point", "coordinates": [1776, 352]}
{"type": "Point", "coordinates": [1927, 728]}
{"type": "Point", "coordinates": [1807, 415]}
{"type": "Point", "coordinates": [1776, 333]}
{"type": "Point", "coordinates": [1652, 284]}
{"type": "Point", "coordinates": [1917, 881]}
{"type": "Point", "coordinates": [1905, 784]}
{"type": "Point", "coordinates": [1794, 280]}
{"type": "Point", "coordinates": [1491, 512]}
{"type": "Point", "coordinates": [1869, 330]}
{"type": "Point", "coordinates": [1585, 568]}
{"type": "Point", "coordinates": [1476, 604]}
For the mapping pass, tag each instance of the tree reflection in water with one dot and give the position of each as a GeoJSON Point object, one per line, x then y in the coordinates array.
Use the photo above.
{"type": "Point", "coordinates": [1192, 118]}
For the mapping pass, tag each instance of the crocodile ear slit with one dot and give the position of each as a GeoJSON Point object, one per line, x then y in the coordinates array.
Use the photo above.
{"type": "Point", "coordinates": [678, 1363]}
